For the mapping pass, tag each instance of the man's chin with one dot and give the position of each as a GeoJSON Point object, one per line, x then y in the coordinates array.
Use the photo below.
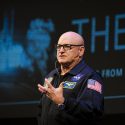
{"type": "Point", "coordinates": [62, 62]}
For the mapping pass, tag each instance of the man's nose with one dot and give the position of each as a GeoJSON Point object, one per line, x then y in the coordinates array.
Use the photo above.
{"type": "Point", "coordinates": [61, 49]}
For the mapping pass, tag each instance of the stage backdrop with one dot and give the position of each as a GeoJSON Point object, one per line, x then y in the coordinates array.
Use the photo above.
{"type": "Point", "coordinates": [29, 33]}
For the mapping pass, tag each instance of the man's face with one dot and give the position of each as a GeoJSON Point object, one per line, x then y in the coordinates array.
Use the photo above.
{"type": "Point", "coordinates": [67, 52]}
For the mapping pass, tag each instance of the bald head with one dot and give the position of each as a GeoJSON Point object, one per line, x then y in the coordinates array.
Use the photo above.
{"type": "Point", "coordinates": [71, 37]}
{"type": "Point", "coordinates": [70, 49]}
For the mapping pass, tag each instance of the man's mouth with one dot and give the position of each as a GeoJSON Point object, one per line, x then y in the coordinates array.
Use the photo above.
{"type": "Point", "coordinates": [61, 56]}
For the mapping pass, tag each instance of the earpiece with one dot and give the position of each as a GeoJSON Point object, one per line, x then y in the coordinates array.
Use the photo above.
{"type": "Point", "coordinates": [56, 66]}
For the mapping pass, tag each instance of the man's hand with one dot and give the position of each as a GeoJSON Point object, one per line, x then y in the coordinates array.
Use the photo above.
{"type": "Point", "coordinates": [55, 94]}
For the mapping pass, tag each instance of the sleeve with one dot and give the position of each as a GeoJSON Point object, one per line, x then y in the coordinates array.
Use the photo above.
{"type": "Point", "coordinates": [39, 109]}
{"type": "Point", "coordinates": [90, 104]}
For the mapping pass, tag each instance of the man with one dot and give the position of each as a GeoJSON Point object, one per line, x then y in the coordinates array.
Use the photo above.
{"type": "Point", "coordinates": [72, 93]}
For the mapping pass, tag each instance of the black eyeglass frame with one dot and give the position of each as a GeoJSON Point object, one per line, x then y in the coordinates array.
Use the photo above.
{"type": "Point", "coordinates": [67, 46]}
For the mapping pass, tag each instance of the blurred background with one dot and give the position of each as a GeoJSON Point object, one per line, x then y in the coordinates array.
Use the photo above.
{"type": "Point", "coordinates": [29, 31]}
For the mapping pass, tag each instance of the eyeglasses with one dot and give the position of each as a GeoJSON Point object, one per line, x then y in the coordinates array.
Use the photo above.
{"type": "Point", "coordinates": [66, 46]}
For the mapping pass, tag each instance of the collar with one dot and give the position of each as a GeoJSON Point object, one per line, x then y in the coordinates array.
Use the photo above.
{"type": "Point", "coordinates": [80, 66]}
{"type": "Point", "coordinates": [74, 71]}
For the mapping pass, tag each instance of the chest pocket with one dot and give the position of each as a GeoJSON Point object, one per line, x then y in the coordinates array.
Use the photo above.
{"type": "Point", "coordinates": [71, 87]}
{"type": "Point", "coordinates": [75, 85]}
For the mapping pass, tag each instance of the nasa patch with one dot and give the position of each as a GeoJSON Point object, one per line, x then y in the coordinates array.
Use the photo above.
{"type": "Point", "coordinates": [76, 78]}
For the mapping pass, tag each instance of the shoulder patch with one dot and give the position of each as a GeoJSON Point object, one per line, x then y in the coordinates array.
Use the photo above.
{"type": "Point", "coordinates": [49, 79]}
{"type": "Point", "coordinates": [94, 85]}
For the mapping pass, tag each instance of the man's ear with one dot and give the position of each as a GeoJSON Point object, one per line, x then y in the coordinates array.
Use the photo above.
{"type": "Point", "coordinates": [81, 51]}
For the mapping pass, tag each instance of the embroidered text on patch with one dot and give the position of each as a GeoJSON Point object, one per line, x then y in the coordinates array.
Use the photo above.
{"type": "Point", "coordinates": [95, 85]}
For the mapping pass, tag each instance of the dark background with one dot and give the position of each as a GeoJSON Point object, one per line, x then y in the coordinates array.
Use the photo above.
{"type": "Point", "coordinates": [18, 104]}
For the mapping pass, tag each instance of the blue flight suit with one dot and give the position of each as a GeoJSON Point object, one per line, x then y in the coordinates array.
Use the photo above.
{"type": "Point", "coordinates": [84, 100]}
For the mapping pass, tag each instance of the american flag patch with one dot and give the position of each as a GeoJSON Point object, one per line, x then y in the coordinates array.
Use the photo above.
{"type": "Point", "coordinates": [94, 85]}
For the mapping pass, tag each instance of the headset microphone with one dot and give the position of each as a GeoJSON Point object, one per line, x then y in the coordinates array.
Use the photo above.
{"type": "Point", "coordinates": [56, 67]}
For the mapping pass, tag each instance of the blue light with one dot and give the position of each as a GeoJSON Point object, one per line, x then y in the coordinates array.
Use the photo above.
{"type": "Point", "coordinates": [39, 40]}
{"type": "Point", "coordinates": [14, 56]}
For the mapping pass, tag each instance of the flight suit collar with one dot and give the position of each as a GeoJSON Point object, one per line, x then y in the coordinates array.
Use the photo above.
{"type": "Point", "coordinates": [80, 66]}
